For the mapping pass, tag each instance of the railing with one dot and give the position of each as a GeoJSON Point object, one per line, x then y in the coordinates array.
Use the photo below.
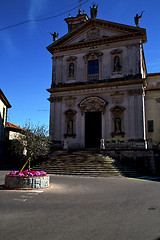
{"type": "Point", "coordinates": [92, 77]}
{"type": "Point", "coordinates": [144, 144]}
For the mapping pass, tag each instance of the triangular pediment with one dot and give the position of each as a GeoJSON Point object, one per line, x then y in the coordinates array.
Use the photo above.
{"type": "Point", "coordinates": [98, 30]}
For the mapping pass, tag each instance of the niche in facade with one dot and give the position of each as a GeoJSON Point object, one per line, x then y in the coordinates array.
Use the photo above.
{"type": "Point", "coordinates": [70, 123]}
{"type": "Point", "coordinates": [116, 61]}
{"type": "Point", "coordinates": [117, 121]}
{"type": "Point", "coordinates": [71, 67]}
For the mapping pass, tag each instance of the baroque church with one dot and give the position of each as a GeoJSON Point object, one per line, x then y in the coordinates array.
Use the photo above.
{"type": "Point", "coordinates": [98, 82]}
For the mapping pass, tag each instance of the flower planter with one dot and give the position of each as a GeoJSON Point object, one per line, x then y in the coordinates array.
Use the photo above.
{"type": "Point", "coordinates": [26, 182]}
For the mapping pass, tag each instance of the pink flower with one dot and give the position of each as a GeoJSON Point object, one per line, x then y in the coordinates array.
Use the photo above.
{"type": "Point", "coordinates": [27, 173]}
{"type": "Point", "coordinates": [30, 174]}
{"type": "Point", "coordinates": [37, 173]}
{"type": "Point", "coordinates": [21, 174]}
{"type": "Point", "coordinates": [42, 173]}
{"type": "Point", "coordinates": [13, 172]}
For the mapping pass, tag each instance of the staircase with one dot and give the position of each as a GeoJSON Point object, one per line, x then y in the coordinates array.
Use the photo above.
{"type": "Point", "coordinates": [86, 163]}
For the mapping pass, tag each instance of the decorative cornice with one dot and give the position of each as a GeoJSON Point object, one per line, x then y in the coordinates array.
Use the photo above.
{"type": "Point", "coordinates": [135, 91]}
{"type": "Point", "coordinates": [105, 40]}
{"type": "Point", "coordinates": [55, 99]}
{"type": "Point", "coordinates": [97, 85]}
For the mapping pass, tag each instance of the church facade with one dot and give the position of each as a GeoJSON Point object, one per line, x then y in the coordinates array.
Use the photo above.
{"type": "Point", "coordinates": [98, 83]}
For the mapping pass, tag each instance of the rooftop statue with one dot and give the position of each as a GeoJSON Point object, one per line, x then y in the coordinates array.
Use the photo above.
{"type": "Point", "coordinates": [93, 11]}
{"type": "Point", "coordinates": [137, 18]}
{"type": "Point", "coordinates": [54, 35]}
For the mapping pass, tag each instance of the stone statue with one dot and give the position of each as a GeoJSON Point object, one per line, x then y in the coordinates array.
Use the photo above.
{"type": "Point", "coordinates": [71, 70]}
{"type": "Point", "coordinates": [117, 122]}
{"type": "Point", "coordinates": [117, 66]}
{"type": "Point", "coordinates": [93, 11]}
{"type": "Point", "coordinates": [137, 18]}
{"type": "Point", "coordinates": [54, 35]}
{"type": "Point", "coordinates": [70, 127]}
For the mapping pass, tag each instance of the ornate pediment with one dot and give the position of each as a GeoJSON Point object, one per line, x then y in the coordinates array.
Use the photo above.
{"type": "Point", "coordinates": [100, 31]}
{"type": "Point", "coordinates": [93, 104]}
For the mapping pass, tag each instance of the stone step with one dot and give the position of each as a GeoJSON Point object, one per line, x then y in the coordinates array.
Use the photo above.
{"type": "Point", "coordinates": [86, 163]}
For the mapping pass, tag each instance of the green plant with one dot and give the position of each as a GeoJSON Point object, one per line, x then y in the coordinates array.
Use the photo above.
{"type": "Point", "coordinates": [108, 140]}
{"type": "Point", "coordinates": [114, 140]}
{"type": "Point", "coordinates": [121, 140]}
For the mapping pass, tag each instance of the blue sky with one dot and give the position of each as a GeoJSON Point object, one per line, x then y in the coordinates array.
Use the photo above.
{"type": "Point", "coordinates": [25, 64]}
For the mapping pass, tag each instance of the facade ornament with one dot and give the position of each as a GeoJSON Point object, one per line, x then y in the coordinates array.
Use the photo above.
{"type": "Point", "coordinates": [116, 51]}
{"type": "Point", "coordinates": [137, 18]}
{"type": "Point", "coordinates": [93, 11]}
{"type": "Point", "coordinates": [93, 33]}
{"type": "Point", "coordinates": [135, 91]}
{"type": "Point", "coordinates": [93, 104]}
{"type": "Point", "coordinates": [93, 55]}
{"type": "Point", "coordinates": [55, 99]}
{"type": "Point", "coordinates": [71, 58]}
{"type": "Point", "coordinates": [70, 101]}
{"type": "Point", "coordinates": [117, 97]}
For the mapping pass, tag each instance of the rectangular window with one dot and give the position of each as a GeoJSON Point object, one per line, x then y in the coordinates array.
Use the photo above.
{"type": "Point", "coordinates": [93, 67]}
{"type": "Point", "coordinates": [150, 126]}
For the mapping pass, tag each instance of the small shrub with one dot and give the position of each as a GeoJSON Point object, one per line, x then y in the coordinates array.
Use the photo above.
{"type": "Point", "coordinates": [114, 140]}
{"type": "Point", "coordinates": [121, 140]}
{"type": "Point", "coordinates": [108, 140]}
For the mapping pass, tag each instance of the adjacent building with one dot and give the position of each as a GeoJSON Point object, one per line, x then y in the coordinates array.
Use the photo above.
{"type": "Point", "coordinates": [4, 105]}
{"type": "Point", "coordinates": [152, 107]}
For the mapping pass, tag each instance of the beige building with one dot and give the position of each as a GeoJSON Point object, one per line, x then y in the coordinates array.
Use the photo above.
{"type": "Point", "coordinates": [97, 88]}
{"type": "Point", "coordinates": [152, 107]}
{"type": "Point", "coordinates": [4, 105]}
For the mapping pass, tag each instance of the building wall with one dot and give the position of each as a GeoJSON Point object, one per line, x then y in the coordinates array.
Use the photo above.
{"type": "Point", "coordinates": [128, 97]}
{"type": "Point", "coordinates": [130, 56]}
{"type": "Point", "coordinates": [3, 116]}
{"type": "Point", "coordinates": [152, 105]}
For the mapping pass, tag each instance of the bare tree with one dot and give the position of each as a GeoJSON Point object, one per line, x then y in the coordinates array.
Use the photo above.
{"type": "Point", "coordinates": [35, 142]}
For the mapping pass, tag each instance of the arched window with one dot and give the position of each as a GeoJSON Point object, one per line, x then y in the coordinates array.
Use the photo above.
{"type": "Point", "coordinates": [71, 69]}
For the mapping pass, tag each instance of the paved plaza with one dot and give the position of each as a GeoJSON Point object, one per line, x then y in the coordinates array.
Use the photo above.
{"type": "Point", "coordinates": [82, 208]}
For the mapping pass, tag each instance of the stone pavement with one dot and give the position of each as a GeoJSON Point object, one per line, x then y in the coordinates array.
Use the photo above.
{"type": "Point", "coordinates": [82, 208]}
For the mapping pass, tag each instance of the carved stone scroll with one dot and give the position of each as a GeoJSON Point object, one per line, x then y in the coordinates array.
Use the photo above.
{"type": "Point", "coordinates": [93, 104]}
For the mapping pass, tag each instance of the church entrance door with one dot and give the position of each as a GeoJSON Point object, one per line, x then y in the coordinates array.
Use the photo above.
{"type": "Point", "coordinates": [93, 129]}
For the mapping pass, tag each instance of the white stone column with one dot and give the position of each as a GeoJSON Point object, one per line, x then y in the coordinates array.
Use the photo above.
{"type": "Point", "coordinates": [82, 129]}
{"type": "Point", "coordinates": [129, 70]}
{"type": "Point", "coordinates": [59, 69]}
{"type": "Point", "coordinates": [52, 122]}
{"type": "Point", "coordinates": [140, 115]}
{"type": "Point", "coordinates": [53, 71]}
{"type": "Point", "coordinates": [57, 118]}
{"type": "Point", "coordinates": [131, 115]}
{"type": "Point", "coordinates": [104, 125]}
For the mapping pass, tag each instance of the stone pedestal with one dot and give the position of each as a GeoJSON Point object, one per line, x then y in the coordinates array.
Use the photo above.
{"type": "Point", "coordinates": [32, 182]}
